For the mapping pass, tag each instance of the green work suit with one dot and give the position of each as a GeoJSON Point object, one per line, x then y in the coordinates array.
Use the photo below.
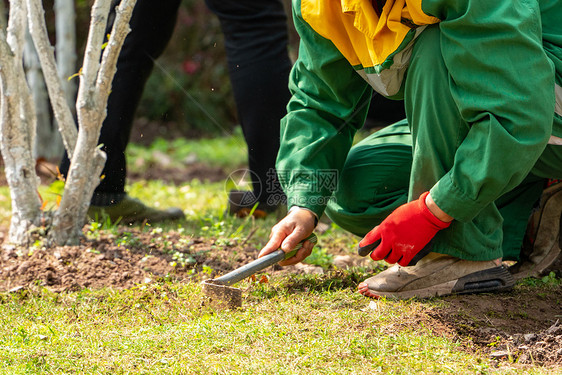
{"type": "Point", "coordinates": [480, 102]}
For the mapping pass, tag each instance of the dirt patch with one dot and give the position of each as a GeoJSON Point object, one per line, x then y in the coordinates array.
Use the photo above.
{"type": "Point", "coordinates": [123, 259]}
{"type": "Point", "coordinates": [120, 260]}
{"type": "Point", "coordinates": [522, 327]}
{"type": "Point", "coordinates": [518, 329]}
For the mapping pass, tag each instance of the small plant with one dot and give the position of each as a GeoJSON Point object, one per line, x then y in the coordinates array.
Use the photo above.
{"type": "Point", "coordinates": [182, 259]}
{"type": "Point", "coordinates": [128, 240]}
{"type": "Point", "coordinates": [496, 342]}
{"type": "Point", "coordinates": [320, 257]}
{"type": "Point", "coordinates": [548, 280]}
{"type": "Point", "coordinates": [93, 230]}
{"type": "Point", "coordinates": [207, 270]}
{"type": "Point", "coordinates": [551, 279]}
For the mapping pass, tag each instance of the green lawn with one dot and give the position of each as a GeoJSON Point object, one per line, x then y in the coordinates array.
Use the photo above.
{"type": "Point", "coordinates": [163, 328]}
{"type": "Point", "coordinates": [291, 325]}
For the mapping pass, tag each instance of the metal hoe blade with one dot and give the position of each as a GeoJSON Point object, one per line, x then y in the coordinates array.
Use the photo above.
{"type": "Point", "coordinates": [219, 292]}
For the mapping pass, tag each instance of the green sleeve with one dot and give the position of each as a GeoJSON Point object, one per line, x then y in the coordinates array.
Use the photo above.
{"type": "Point", "coordinates": [329, 104]}
{"type": "Point", "coordinates": [503, 84]}
{"type": "Point", "coordinates": [551, 16]}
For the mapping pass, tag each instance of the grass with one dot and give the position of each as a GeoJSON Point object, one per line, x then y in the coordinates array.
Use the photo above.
{"type": "Point", "coordinates": [226, 152]}
{"type": "Point", "coordinates": [311, 324]}
{"type": "Point", "coordinates": [163, 328]}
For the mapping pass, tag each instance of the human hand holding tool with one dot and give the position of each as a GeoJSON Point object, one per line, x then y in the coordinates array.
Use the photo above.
{"type": "Point", "coordinates": [286, 234]}
{"type": "Point", "coordinates": [221, 294]}
{"type": "Point", "coordinates": [403, 234]}
{"type": "Point", "coordinates": [261, 263]}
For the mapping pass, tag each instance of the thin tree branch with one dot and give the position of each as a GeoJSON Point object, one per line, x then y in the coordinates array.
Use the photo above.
{"type": "Point", "coordinates": [62, 112]}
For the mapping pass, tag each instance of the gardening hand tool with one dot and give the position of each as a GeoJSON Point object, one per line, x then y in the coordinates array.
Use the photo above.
{"type": "Point", "coordinates": [221, 293]}
{"type": "Point", "coordinates": [403, 234]}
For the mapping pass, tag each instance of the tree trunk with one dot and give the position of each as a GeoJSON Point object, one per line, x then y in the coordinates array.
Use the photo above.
{"type": "Point", "coordinates": [65, 48]}
{"type": "Point", "coordinates": [17, 129]}
{"type": "Point", "coordinates": [18, 117]}
{"type": "Point", "coordinates": [95, 85]}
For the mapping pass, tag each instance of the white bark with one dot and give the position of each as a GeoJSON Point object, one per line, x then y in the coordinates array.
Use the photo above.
{"type": "Point", "coordinates": [18, 117]}
{"type": "Point", "coordinates": [95, 84]}
{"type": "Point", "coordinates": [65, 48]}
{"type": "Point", "coordinates": [111, 53]}
{"type": "Point", "coordinates": [17, 27]}
{"type": "Point", "coordinates": [62, 112]}
{"type": "Point", "coordinates": [17, 129]}
{"type": "Point", "coordinates": [48, 142]}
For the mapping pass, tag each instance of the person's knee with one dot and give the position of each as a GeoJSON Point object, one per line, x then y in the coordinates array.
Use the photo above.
{"type": "Point", "coordinates": [427, 64]}
{"type": "Point", "coordinates": [378, 167]}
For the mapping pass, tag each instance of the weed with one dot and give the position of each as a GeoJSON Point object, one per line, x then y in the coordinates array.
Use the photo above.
{"type": "Point", "coordinates": [207, 270]}
{"type": "Point", "coordinates": [549, 280]}
{"type": "Point", "coordinates": [320, 257]}
{"type": "Point", "coordinates": [182, 259]}
{"type": "Point", "coordinates": [96, 227]}
{"type": "Point", "coordinates": [128, 240]}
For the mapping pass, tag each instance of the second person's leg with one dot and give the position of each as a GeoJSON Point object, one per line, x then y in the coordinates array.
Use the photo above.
{"type": "Point", "coordinates": [256, 39]}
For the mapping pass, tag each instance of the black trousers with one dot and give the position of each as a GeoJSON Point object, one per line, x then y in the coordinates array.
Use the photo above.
{"type": "Point", "coordinates": [256, 39]}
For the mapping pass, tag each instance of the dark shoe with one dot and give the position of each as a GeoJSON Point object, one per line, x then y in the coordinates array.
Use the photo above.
{"type": "Point", "coordinates": [438, 275]}
{"type": "Point", "coordinates": [241, 204]}
{"type": "Point", "coordinates": [131, 210]}
{"type": "Point", "coordinates": [541, 252]}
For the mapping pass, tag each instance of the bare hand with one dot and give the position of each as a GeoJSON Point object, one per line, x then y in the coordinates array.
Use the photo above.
{"type": "Point", "coordinates": [286, 234]}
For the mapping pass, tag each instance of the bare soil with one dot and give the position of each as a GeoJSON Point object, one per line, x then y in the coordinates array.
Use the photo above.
{"type": "Point", "coordinates": [120, 261]}
{"type": "Point", "coordinates": [522, 327]}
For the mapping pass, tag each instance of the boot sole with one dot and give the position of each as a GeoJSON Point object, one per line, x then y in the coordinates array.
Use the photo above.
{"type": "Point", "coordinates": [497, 279]}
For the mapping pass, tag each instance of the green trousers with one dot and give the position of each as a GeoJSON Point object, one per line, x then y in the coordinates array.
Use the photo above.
{"type": "Point", "coordinates": [392, 167]}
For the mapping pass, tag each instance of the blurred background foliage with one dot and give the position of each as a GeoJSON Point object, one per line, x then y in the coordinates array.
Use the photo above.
{"type": "Point", "coordinates": [189, 87]}
{"type": "Point", "coordinates": [189, 91]}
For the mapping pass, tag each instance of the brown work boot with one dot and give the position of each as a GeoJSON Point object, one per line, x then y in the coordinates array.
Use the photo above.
{"type": "Point", "coordinates": [541, 252]}
{"type": "Point", "coordinates": [131, 210]}
{"type": "Point", "coordinates": [438, 275]}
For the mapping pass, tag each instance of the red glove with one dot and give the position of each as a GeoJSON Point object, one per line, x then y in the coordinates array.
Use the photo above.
{"type": "Point", "coordinates": [403, 233]}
